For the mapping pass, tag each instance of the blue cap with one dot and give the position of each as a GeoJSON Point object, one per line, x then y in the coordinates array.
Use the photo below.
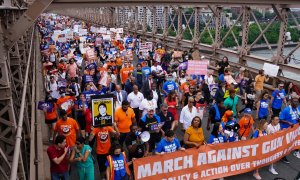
{"type": "Point", "coordinates": [247, 110]}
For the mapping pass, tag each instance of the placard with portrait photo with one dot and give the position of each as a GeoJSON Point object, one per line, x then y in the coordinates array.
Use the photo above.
{"type": "Point", "coordinates": [102, 110]}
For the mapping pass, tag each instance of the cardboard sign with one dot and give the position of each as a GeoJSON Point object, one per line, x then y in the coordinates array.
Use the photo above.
{"type": "Point", "coordinates": [90, 54]}
{"type": "Point", "coordinates": [214, 161]}
{"type": "Point", "coordinates": [270, 69]}
{"type": "Point", "coordinates": [102, 110]}
{"type": "Point", "coordinates": [119, 30]}
{"type": "Point", "coordinates": [83, 32]}
{"type": "Point", "coordinates": [102, 30]}
{"type": "Point", "coordinates": [197, 67]}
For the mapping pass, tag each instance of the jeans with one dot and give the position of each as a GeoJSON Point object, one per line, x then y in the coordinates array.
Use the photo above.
{"type": "Point", "coordinates": [60, 176]}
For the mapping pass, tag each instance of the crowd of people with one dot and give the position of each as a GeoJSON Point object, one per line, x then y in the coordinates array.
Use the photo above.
{"type": "Point", "coordinates": [156, 96]}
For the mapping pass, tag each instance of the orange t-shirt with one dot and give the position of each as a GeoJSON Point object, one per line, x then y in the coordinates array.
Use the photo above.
{"type": "Point", "coordinates": [61, 66]}
{"type": "Point", "coordinates": [67, 128]}
{"type": "Point", "coordinates": [123, 119]}
{"type": "Point", "coordinates": [124, 74]}
{"type": "Point", "coordinates": [119, 61]}
{"type": "Point", "coordinates": [102, 69]}
{"type": "Point", "coordinates": [245, 126]}
{"type": "Point", "coordinates": [66, 103]}
{"type": "Point", "coordinates": [103, 139]}
{"type": "Point", "coordinates": [51, 115]}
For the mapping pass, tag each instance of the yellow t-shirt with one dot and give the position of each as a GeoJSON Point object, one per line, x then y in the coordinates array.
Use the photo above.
{"type": "Point", "coordinates": [259, 82]}
{"type": "Point", "coordinates": [196, 136]}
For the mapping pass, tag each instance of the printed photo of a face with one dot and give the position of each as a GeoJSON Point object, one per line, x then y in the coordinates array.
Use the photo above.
{"type": "Point", "coordinates": [102, 111]}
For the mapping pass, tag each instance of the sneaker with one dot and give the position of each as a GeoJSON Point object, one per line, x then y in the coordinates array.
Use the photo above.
{"type": "Point", "coordinates": [297, 154]}
{"type": "Point", "coordinates": [273, 171]}
{"type": "Point", "coordinates": [285, 160]}
{"type": "Point", "coordinates": [256, 176]}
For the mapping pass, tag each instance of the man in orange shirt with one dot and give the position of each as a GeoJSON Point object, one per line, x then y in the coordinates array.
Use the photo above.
{"type": "Point", "coordinates": [68, 127]}
{"type": "Point", "coordinates": [124, 73]}
{"type": "Point", "coordinates": [103, 139]}
{"type": "Point", "coordinates": [124, 117]}
{"type": "Point", "coordinates": [246, 124]}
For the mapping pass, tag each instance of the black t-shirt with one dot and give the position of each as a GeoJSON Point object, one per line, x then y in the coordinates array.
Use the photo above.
{"type": "Point", "coordinates": [140, 150]}
{"type": "Point", "coordinates": [222, 65]}
{"type": "Point", "coordinates": [168, 120]}
{"type": "Point", "coordinates": [187, 95]}
{"type": "Point", "coordinates": [154, 136]}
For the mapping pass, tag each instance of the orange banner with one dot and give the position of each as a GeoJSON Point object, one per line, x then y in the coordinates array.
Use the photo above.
{"type": "Point", "coordinates": [219, 160]}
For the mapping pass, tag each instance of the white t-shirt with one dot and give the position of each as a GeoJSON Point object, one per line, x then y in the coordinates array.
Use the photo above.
{"type": "Point", "coordinates": [186, 116]}
{"type": "Point", "coordinates": [273, 129]}
{"type": "Point", "coordinates": [157, 69]}
{"type": "Point", "coordinates": [209, 80]}
{"type": "Point", "coordinates": [135, 99]}
{"type": "Point", "coordinates": [145, 104]}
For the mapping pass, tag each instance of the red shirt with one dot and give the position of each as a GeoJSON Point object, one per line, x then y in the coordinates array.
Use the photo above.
{"type": "Point", "coordinates": [53, 153]}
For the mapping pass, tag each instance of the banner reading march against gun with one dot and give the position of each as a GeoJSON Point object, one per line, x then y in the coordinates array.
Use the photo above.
{"type": "Point", "coordinates": [102, 110]}
{"type": "Point", "coordinates": [219, 160]}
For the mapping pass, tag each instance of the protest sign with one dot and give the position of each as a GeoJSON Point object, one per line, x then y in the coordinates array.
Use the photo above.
{"type": "Point", "coordinates": [219, 160]}
{"type": "Point", "coordinates": [102, 30]}
{"type": "Point", "coordinates": [197, 67]}
{"type": "Point", "coordinates": [129, 55]}
{"type": "Point", "coordinates": [113, 30]}
{"type": "Point", "coordinates": [76, 28]}
{"type": "Point", "coordinates": [45, 105]}
{"type": "Point", "coordinates": [93, 29]}
{"type": "Point", "coordinates": [90, 54]}
{"type": "Point", "coordinates": [102, 110]}
{"type": "Point", "coordinates": [82, 32]}
{"type": "Point", "coordinates": [106, 37]}
{"type": "Point", "coordinates": [119, 30]}
{"type": "Point", "coordinates": [271, 69]}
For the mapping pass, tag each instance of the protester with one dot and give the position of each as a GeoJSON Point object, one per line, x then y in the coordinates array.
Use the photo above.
{"type": "Point", "coordinates": [259, 132]}
{"type": "Point", "coordinates": [231, 103]}
{"type": "Point", "coordinates": [168, 144]}
{"type": "Point", "coordinates": [81, 106]}
{"type": "Point", "coordinates": [278, 98]}
{"type": "Point", "coordinates": [135, 98]}
{"type": "Point", "coordinates": [216, 112]}
{"type": "Point", "coordinates": [272, 128]}
{"type": "Point", "coordinates": [246, 124]}
{"type": "Point", "coordinates": [172, 102]}
{"type": "Point", "coordinates": [194, 136]}
{"type": "Point", "coordinates": [188, 112]}
{"type": "Point", "coordinates": [57, 154]}
{"type": "Point", "coordinates": [124, 118]}
{"type": "Point", "coordinates": [217, 135]}
{"type": "Point", "coordinates": [103, 140]}
{"type": "Point", "coordinates": [222, 65]}
{"type": "Point", "coordinates": [68, 127]}
{"type": "Point", "coordinates": [260, 79]}
{"type": "Point", "coordinates": [83, 158]}
{"type": "Point", "coordinates": [151, 122]}
{"type": "Point", "coordinates": [263, 107]}
{"type": "Point", "coordinates": [147, 102]}
{"type": "Point", "coordinates": [117, 164]}
{"type": "Point", "coordinates": [167, 118]}
{"type": "Point", "coordinates": [50, 117]}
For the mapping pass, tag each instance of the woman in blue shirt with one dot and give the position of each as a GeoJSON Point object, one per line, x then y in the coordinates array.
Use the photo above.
{"type": "Point", "coordinates": [217, 135]}
{"type": "Point", "coordinates": [278, 97]}
{"type": "Point", "coordinates": [263, 107]}
{"type": "Point", "coordinates": [259, 132]}
{"type": "Point", "coordinates": [81, 154]}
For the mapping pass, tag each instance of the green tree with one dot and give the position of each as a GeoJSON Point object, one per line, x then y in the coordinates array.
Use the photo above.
{"type": "Point", "coordinates": [295, 34]}
{"type": "Point", "coordinates": [171, 32]}
{"type": "Point", "coordinates": [187, 35]}
{"type": "Point", "coordinates": [258, 15]}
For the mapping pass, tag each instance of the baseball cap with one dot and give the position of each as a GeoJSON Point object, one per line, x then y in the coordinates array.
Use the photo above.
{"type": "Point", "coordinates": [247, 111]}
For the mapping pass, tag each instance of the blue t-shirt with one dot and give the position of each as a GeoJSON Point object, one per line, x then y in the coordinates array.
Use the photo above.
{"type": "Point", "coordinates": [146, 71]}
{"type": "Point", "coordinates": [263, 110]}
{"type": "Point", "coordinates": [167, 147]}
{"type": "Point", "coordinates": [119, 167]}
{"type": "Point", "coordinates": [289, 115]}
{"type": "Point", "coordinates": [79, 103]}
{"type": "Point", "coordinates": [215, 140]}
{"type": "Point", "coordinates": [169, 86]}
{"type": "Point", "coordinates": [256, 134]}
{"type": "Point", "coordinates": [278, 98]}
{"type": "Point", "coordinates": [89, 161]}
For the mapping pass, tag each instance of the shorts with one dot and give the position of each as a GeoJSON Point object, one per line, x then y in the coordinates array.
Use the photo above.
{"type": "Point", "coordinates": [50, 121]}
{"type": "Point", "coordinates": [81, 121]}
{"type": "Point", "coordinates": [257, 94]}
{"type": "Point", "coordinates": [101, 159]}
